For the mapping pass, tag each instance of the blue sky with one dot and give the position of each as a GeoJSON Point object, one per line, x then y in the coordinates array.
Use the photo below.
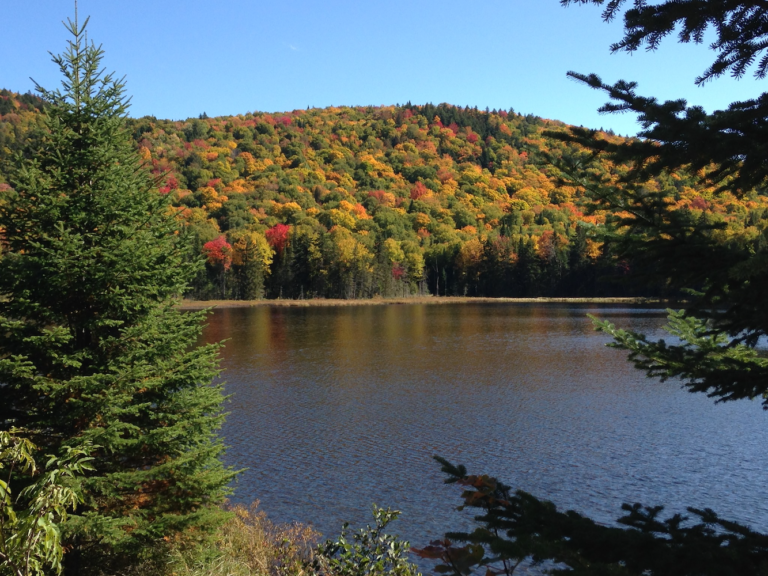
{"type": "Point", "coordinates": [236, 56]}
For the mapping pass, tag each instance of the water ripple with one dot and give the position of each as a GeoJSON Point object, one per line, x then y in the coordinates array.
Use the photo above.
{"type": "Point", "coordinates": [334, 409]}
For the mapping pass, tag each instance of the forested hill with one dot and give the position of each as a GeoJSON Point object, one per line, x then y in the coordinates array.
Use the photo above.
{"type": "Point", "coordinates": [397, 200]}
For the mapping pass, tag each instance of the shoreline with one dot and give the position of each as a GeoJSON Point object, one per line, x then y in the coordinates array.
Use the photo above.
{"type": "Point", "coordinates": [432, 300]}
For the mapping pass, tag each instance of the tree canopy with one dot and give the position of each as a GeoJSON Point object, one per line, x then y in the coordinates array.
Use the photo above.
{"type": "Point", "coordinates": [474, 200]}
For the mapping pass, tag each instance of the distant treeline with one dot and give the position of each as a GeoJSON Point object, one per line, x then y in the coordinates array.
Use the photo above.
{"type": "Point", "coordinates": [385, 201]}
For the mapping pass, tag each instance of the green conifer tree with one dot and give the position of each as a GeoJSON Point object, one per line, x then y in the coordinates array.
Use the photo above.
{"type": "Point", "coordinates": [93, 348]}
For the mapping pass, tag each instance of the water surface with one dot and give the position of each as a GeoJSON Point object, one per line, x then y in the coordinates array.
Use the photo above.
{"type": "Point", "coordinates": [336, 408]}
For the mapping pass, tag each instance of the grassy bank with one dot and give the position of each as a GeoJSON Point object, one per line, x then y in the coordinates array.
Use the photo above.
{"type": "Point", "coordinates": [248, 544]}
{"type": "Point", "coordinates": [198, 304]}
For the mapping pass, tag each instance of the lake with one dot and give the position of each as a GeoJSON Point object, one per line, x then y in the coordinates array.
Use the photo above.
{"type": "Point", "coordinates": [333, 409]}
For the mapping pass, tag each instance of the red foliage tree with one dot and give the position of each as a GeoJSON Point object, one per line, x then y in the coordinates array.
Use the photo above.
{"type": "Point", "coordinates": [699, 203]}
{"type": "Point", "coordinates": [418, 191]}
{"type": "Point", "coordinates": [379, 195]}
{"type": "Point", "coordinates": [170, 184]}
{"type": "Point", "coordinates": [277, 236]}
{"type": "Point", "coordinates": [218, 251]}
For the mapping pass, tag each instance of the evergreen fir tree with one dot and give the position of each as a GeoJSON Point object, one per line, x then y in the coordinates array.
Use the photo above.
{"type": "Point", "coordinates": [92, 345]}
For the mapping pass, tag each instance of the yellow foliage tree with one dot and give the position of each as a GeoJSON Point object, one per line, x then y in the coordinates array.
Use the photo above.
{"type": "Point", "coordinates": [251, 258]}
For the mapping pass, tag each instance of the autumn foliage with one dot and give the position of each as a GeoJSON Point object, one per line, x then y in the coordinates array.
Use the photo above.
{"type": "Point", "coordinates": [218, 252]}
{"type": "Point", "coordinates": [277, 236]}
{"type": "Point", "coordinates": [476, 200]}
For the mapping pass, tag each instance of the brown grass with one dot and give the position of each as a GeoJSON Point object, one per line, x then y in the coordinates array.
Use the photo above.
{"type": "Point", "coordinates": [249, 545]}
{"type": "Point", "coordinates": [198, 304]}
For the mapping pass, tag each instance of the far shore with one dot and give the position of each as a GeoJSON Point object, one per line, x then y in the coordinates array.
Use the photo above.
{"type": "Point", "coordinates": [331, 302]}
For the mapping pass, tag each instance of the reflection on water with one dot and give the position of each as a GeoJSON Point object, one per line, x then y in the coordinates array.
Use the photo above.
{"type": "Point", "coordinates": [336, 408]}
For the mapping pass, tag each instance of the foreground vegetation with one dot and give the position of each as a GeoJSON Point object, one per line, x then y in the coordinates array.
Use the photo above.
{"type": "Point", "coordinates": [248, 544]}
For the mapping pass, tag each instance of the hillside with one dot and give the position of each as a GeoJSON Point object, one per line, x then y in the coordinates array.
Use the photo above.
{"type": "Point", "coordinates": [390, 201]}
